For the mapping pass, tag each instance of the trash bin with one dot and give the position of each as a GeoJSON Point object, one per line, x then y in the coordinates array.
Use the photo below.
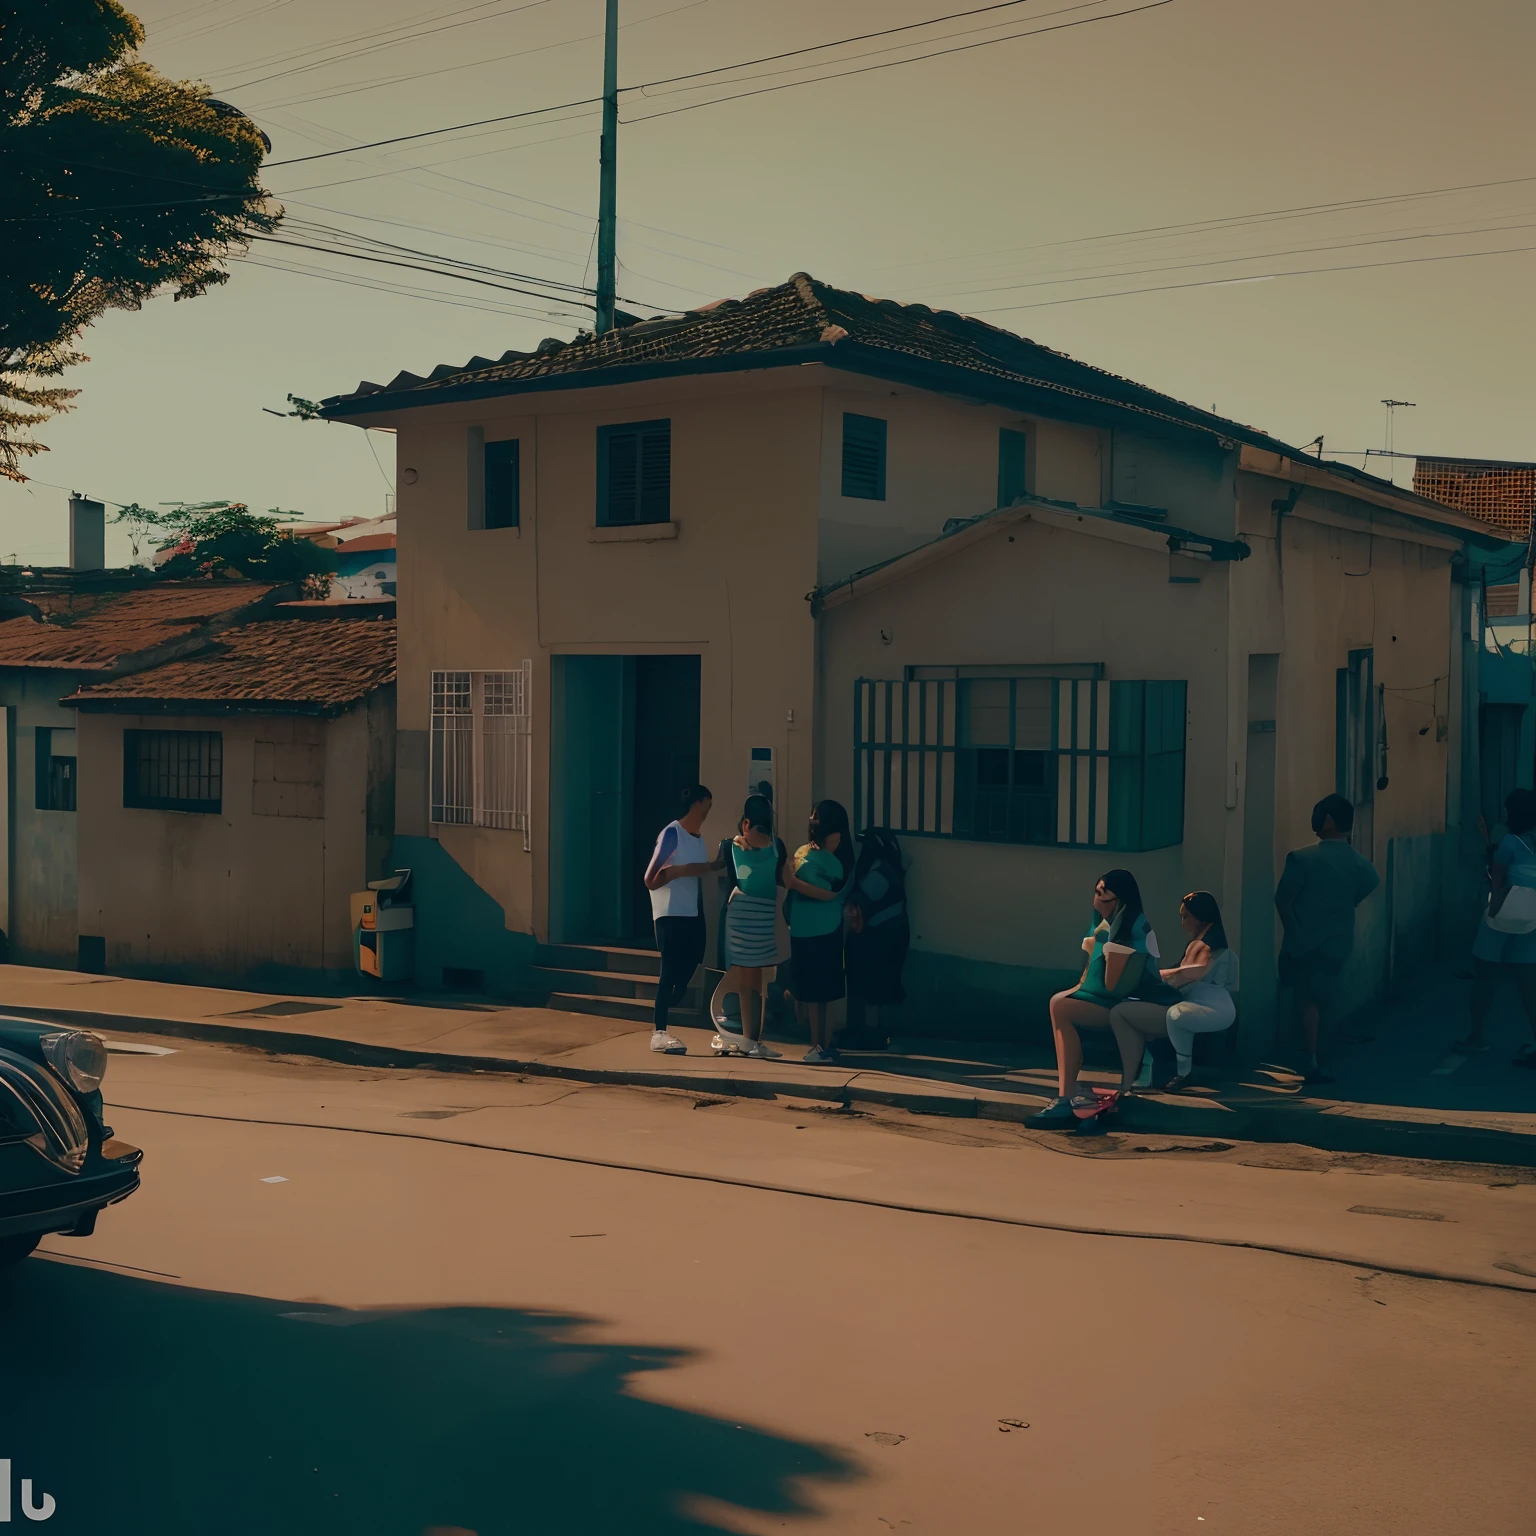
{"type": "Point", "coordinates": [383, 929]}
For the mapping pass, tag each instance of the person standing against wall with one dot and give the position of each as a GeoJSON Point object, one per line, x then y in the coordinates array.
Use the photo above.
{"type": "Point", "coordinates": [1317, 895]}
{"type": "Point", "coordinates": [675, 879]}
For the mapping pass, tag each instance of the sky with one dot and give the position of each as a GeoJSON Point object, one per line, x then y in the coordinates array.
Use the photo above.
{"type": "Point", "coordinates": [1122, 187]}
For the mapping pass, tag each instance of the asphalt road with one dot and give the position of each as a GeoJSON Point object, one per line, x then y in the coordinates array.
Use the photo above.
{"type": "Point", "coordinates": [324, 1312]}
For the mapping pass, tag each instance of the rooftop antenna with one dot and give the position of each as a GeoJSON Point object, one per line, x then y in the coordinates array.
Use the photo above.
{"type": "Point", "coordinates": [608, 185]}
{"type": "Point", "coordinates": [1393, 406]}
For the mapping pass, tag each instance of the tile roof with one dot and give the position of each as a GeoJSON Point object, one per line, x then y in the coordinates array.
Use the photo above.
{"type": "Point", "coordinates": [93, 631]}
{"type": "Point", "coordinates": [298, 666]}
{"type": "Point", "coordinates": [784, 323]}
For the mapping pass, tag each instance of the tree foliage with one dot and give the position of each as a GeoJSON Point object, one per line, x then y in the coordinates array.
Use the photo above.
{"type": "Point", "coordinates": [115, 184]}
{"type": "Point", "coordinates": [225, 538]}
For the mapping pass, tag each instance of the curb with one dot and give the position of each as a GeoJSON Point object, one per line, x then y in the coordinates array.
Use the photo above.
{"type": "Point", "coordinates": [1330, 1133]}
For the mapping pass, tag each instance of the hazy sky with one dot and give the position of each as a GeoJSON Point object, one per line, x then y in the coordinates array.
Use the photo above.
{"type": "Point", "coordinates": [990, 180]}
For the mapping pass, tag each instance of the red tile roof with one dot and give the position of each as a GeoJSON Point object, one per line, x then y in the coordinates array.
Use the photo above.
{"type": "Point", "coordinates": [366, 544]}
{"type": "Point", "coordinates": [298, 666]}
{"type": "Point", "coordinates": [93, 631]}
{"type": "Point", "coordinates": [800, 320]}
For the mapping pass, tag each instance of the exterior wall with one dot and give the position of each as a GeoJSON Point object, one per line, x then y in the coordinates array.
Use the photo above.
{"type": "Point", "coordinates": [941, 463]}
{"type": "Point", "coordinates": [726, 582]}
{"type": "Point", "coordinates": [997, 927]}
{"type": "Point", "coordinates": [238, 896]}
{"type": "Point", "coordinates": [42, 929]}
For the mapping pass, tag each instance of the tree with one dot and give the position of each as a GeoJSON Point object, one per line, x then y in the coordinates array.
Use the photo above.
{"type": "Point", "coordinates": [225, 538]}
{"type": "Point", "coordinates": [115, 184]}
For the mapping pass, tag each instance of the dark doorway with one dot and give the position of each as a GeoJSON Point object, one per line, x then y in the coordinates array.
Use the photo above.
{"type": "Point", "coordinates": [625, 742]}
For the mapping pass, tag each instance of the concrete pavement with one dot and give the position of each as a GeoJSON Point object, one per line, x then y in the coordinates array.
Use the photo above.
{"type": "Point", "coordinates": [350, 1300]}
{"type": "Point", "coordinates": [1401, 1094]}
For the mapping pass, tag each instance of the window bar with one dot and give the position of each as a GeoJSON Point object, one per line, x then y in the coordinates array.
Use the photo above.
{"type": "Point", "coordinates": [938, 768]}
{"type": "Point", "coordinates": [885, 765]}
{"type": "Point", "coordinates": [922, 757]}
{"type": "Point", "coordinates": [906, 699]}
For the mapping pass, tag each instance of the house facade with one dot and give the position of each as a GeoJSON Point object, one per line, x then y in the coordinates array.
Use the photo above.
{"type": "Point", "coordinates": [231, 801]}
{"type": "Point", "coordinates": [62, 631]}
{"type": "Point", "coordinates": [1036, 618]}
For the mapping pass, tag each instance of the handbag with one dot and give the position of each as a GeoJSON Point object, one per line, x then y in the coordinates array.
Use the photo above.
{"type": "Point", "coordinates": [1517, 912]}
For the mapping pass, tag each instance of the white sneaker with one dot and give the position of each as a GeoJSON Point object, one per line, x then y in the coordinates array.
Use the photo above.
{"type": "Point", "coordinates": [665, 1043]}
{"type": "Point", "coordinates": [764, 1051]}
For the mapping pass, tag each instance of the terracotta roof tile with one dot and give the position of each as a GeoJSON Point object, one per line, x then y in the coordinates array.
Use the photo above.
{"type": "Point", "coordinates": [91, 631]}
{"type": "Point", "coordinates": [804, 313]}
{"type": "Point", "coordinates": [303, 665]}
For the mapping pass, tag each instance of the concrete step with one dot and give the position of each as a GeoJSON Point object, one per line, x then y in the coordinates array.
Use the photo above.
{"type": "Point", "coordinates": [607, 1006]}
{"type": "Point", "coordinates": [598, 957]}
{"type": "Point", "coordinates": [607, 984]}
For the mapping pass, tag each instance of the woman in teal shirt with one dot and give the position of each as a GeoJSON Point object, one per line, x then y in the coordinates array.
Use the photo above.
{"type": "Point", "coordinates": [1122, 956]}
{"type": "Point", "coordinates": [820, 871]}
{"type": "Point", "coordinates": [751, 934]}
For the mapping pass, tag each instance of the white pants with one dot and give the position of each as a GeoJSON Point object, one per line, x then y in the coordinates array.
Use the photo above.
{"type": "Point", "coordinates": [1204, 1010]}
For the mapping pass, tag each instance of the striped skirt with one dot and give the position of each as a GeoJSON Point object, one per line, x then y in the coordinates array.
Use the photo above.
{"type": "Point", "coordinates": [750, 935]}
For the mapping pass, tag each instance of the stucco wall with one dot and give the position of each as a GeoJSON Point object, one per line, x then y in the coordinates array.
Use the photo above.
{"type": "Point", "coordinates": [235, 895]}
{"type": "Point", "coordinates": [42, 927]}
{"type": "Point", "coordinates": [941, 462]}
{"type": "Point", "coordinates": [729, 587]}
{"type": "Point", "coordinates": [995, 924]}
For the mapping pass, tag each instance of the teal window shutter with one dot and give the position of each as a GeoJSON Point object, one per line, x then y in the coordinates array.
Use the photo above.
{"type": "Point", "coordinates": [863, 457]}
{"type": "Point", "coordinates": [634, 473]}
{"type": "Point", "coordinates": [1010, 466]}
{"type": "Point", "coordinates": [502, 484]}
{"type": "Point", "coordinates": [1146, 765]}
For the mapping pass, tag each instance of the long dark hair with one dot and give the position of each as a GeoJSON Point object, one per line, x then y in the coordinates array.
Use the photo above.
{"type": "Point", "coordinates": [1121, 883]}
{"type": "Point", "coordinates": [1201, 906]}
{"type": "Point", "coordinates": [879, 846]}
{"type": "Point", "coordinates": [829, 817]}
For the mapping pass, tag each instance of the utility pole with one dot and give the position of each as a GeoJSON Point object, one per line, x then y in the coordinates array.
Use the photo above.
{"type": "Point", "coordinates": [608, 190]}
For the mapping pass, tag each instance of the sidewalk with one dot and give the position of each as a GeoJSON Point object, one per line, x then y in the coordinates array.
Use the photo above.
{"type": "Point", "coordinates": [1399, 1093]}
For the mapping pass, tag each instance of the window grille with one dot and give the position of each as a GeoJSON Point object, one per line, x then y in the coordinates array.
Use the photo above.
{"type": "Point", "coordinates": [1072, 762]}
{"type": "Point", "coordinates": [482, 749]}
{"type": "Point", "coordinates": [173, 771]}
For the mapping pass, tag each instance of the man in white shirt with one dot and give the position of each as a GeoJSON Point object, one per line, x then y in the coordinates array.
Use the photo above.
{"type": "Point", "coordinates": [674, 877]}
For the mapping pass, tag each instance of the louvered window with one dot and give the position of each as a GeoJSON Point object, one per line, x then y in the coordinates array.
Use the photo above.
{"type": "Point", "coordinates": [634, 473]}
{"type": "Point", "coordinates": [863, 457]}
{"type": "Point", "coordinates": [502, 484]}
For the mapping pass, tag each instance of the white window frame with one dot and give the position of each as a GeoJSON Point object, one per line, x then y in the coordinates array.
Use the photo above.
{"type": "Point", "coordinates": [481, 748]}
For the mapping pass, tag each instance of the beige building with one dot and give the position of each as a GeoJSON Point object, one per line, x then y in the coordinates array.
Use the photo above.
{"type": "Point", "coordinates": [60, 631]}
{"type": "Point", "coordinates": [231, 801]}
{"type": "Point", "coordinates": [1037, 618]}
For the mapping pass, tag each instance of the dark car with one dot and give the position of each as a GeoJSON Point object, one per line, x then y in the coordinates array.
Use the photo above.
{"type": "Point", "coordinates": [59, 1162]}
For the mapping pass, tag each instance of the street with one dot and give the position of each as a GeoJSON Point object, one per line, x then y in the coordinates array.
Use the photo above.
{"type": "Point", "coordinates": [320, 1314]}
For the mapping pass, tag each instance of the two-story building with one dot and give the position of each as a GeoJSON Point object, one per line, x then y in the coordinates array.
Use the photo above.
{"type": "Point", "coordinates": [1036, 618]}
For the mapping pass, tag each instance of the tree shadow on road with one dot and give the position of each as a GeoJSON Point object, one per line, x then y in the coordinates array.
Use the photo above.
{"type": "Point", "coordinates": [150, 1408]}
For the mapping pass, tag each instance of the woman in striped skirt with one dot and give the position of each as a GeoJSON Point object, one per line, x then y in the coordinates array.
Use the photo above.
{"type": "Point", "coordinates": [751, 936]}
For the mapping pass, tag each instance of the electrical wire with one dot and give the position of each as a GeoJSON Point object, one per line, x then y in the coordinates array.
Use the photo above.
{"type": "Point", "coordinates": [767, 90]}
{"type": "Point", "coordinates": [1223, 282]}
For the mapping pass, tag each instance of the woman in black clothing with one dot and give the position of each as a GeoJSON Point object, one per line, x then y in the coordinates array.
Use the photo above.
{"type": "Point", "coordinates": [878, 938]}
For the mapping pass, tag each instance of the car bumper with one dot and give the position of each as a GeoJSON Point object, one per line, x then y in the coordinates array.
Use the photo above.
{"type": "Point", "coordinates": [72, 1206]}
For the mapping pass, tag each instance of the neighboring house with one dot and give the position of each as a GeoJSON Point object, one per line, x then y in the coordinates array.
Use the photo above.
{"type": "Point", "coordinates": [1039, 619]}
{"type": "Point", "coordinates": [365, 562]}
{"type": "Point", "coordinates": [231, 801]}
{"type": "Point", "coordinates": [1499, 741]}
{"type": "Point", "coordinates": [59, 631]}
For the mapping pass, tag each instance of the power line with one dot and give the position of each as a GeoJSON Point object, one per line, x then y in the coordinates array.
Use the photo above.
{"type": "Point", "coordinates": [1222, 282]}
{"type": "Point", "coordinates": [1234, 220]}
{"type": "Point", "coordinates": [842, 42]}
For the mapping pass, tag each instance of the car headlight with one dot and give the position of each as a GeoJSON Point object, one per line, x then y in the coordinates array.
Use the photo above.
{"type": "Point", "coordinates": [79, 1057]}
{"type": "Point", "coordinates": [36, 1107]}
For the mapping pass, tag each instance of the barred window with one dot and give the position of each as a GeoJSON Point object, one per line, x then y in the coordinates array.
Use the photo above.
{"type": "Point", "coordinates": [174, 771]}
{"type": "Point", "coordinates": [1021, 758]}
{"type": "Point", "coordinates": [482, 748]}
